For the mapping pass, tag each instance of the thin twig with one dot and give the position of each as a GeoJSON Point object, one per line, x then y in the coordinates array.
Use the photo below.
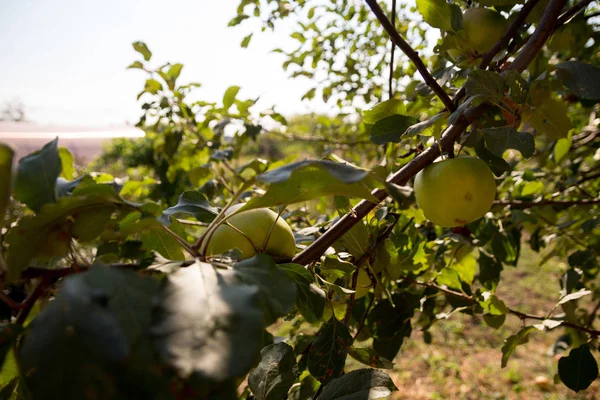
{"type": "Point", "coordinates": [361, 324]}
{"type": "Point", "coordinates": [391, 79]}
{"type": "Point", "coordinates": [411, 54]}
{"type": "Point", "coordinates": [559, 203]}
{"type": "Point", "coordinates": [29, 302]}
{"type": "Point", "coordinates": [571, 12]}
{"type": "Point", "coordinates": [521, 315]}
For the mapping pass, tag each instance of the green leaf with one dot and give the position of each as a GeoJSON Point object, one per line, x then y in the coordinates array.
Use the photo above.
{"type": "Point", "coordinates": [35, 183]}
{"type": "Point", "coordinates": [327, 355]}
{"type": "Point", "coordinates": [391, 129]}
{"type": "Point", "coordinates": [6, 158]}
{"type": "Point", "coordinates": [561, 149]}
{"type": "Point", "coordinates": [136, 65]}
{"type": "Point", "coordinates": [369, 357]}
{"type": "Point", "coordinates": [356, 240]}
{"type": "Point", "coordinates": [429, 127]}
{"type": "Point", "coordinates": [307, 180]}
{"type": "Point", "coordinates": [574, 296]}
{"type": "Point", "coordinates": [580, 78]}
{"type": "Point", "coordinates": [579, 369]}
{"type": "Point", "coordinates": [550, 117]}
{"type": "Point", "coordinates": [500, 139]}
{"type": "Point", "coordinates": [66, 162]}
{"type": "Point", "coordinates": [492, 304]}
{"type": "Point", "coordinates": [152, 86]}
{"type": "Point", "coordinates": [390, 323]}
{"type": "Point", "coordinates": [192, 203]}
{"type": "Point", "coordinates": [277, 289]}
{"type": "Point", "coordinates": [155, 238]}
{"type": "Point", "coordinates": [207, 324]}
{"type": "Point", "coordinates": [310, 299]}
{"type": "Point", "coordinates": [246, 41]}
{"type": "Point", "coordinates": [495, 321]}
{"type": "Point", "coordinates": [513, 341]}
{"type": "Point", "coordinates": [489, 271]}
{"type": "Point", "coordinates": [487, 84]}
{"type": "Point", "coordinates": [383, 110]}
{"type": "Point", "coordinates": [8, 335]}
{"type": "Point", "coordinates": [436, 13]}
{"type": "Point", "coordinates": [48, 233]}
{"type": "Point", "coordinates": [497, 164]}
{"type": "Point", "coordinates": [333, 268]}
{"type": "Point", "coordinates": [275, 374]}
{"type": "Point", "coordinates": [141, 48]}
{"type": "Point", "coordinates": [229, 96]}
{"type": "Point", "coordinates": [174, 72]}
{"type": "Point", "coordinates": [530, 188]}
{"type": "Point", "coordinates": [517, 85]}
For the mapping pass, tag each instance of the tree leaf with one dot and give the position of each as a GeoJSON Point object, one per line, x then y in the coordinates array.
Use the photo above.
{"type": "Point", "coordinates": [156, 239]}
{"type": "Point", "coordinates": [275, 374]}
{"type": "Point", "coordinates": [561, 149]}
{"type": "Point", "coordinates": [436, 13]}
{"type": "Point", "coordinates": [207, 324]}
{"type": "Point", "coordinates": [327, 355]}
{"type": "Point", "coordinates": [6, 158]}
{"type": "Point", "coordinates": [391, 129]}
{"type": "Point", "coordinates": [390, 323]}
{"type": "Point", "coordinates": [580, 78]}
{"type": "Point", "coordinates": [428, 127]}
{"type": "Point", "coordinates": [193, 203]}
{"type": "Point", "coordinates": [579, 369]}
{"type": "Point", "coordinates": [136, 65]}
{"type": "Point", "coordinates": [306, 180]}
{"type": "Point", "coordinates": [487, 84]}
{"type": "Point", "coordinates": [360, 384]}
{"type": "Point", "coordinates": [499, 139]}
{"type": "Point", "coordinates": [66, 162]}
{"type": "Point", "coordinates": [550, 118]}
{"type": "Point", "coordinates": [513, 341]}
{"type": "Point", "coordinates": [74, 336]}
{"type": "Point", "coordinates": [369, 357]}
{"type": "Point", "coordinates": [277, 289]}
{"type": "Point", "coordinates": [246, 41]}
{"type": "Point", "coordinates": [310, 299]}
{"type": "Point", "coordinates": [383, 110]}
{"type": "Point", "coordinates": [152, 86]}
{"type": "Point", "coordinates": [229, 96]}
{"type": "Point", "coordinates": [174, 72]}
{"type": "Point", "coordinates": [48, 231]}
{"type": "Point", "coordinates": [141, 48]}
{"type": "Point", "coordinates": [574, 296]}
{"type": "Point", "coordinates": [497, 164]}
{"type": "Point", "coordinates": [35, 183]}
{"type": "Point", "coordinates": [8, 335]}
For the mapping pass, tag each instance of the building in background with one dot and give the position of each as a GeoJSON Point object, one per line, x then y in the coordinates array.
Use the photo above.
{"type": "Point", "coordinates": [84, 142]}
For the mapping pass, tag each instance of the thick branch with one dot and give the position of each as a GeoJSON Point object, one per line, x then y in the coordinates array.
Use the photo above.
{"type": "Point", "coordinates": [411, 54]}
{"type": "Point", "coordinates": [540, 36]}
{"type": "Point", "coordinates": [509, 34]}
{"type": "Point", "coordinates": [401, 177]}
{"type": "Point", "coordinates": [558, 203]}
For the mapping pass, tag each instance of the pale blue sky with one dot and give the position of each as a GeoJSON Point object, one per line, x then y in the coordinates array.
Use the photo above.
{"type": "Point", "coordinates": [66, 59]}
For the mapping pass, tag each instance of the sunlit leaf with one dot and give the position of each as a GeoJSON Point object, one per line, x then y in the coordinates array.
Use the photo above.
{"type": "Point", "coordinates": [141, 48]}
{"type": "Point", "coordinates": [436, 13]}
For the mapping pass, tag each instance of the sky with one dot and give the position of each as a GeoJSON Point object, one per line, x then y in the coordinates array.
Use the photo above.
{"type": "Point", "coordinates": [66, 60]}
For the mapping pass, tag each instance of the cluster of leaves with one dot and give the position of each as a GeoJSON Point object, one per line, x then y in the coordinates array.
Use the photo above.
{"type": "Point", "coordinates": [108, 293]}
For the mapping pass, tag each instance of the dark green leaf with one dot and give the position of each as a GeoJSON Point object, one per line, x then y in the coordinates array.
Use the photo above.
{"type": "Point", "coordinates": [192, 203]}
{"type": "Point", "coordinates": [275, 374]}
{"type": "Point", "coordinates": [436, 13]}
{"type": "Point", "coordinates": [391, 324]}
{"type": "Point", "coordinates": [513, 341]}
{"type": "Point", "coordinates": [391, 129]}
{"type": "Point", "coordinates": [141, 48]}
{"type": "Point", "coordinates": [495, 321]}
{"type": "Point", "coordinates": [277, 289]}
{"type": "Point", "coordinates": [229, 96]}
{"type": "Point", "coordinates": [327, 355]}
{"type": "Point", "coordinates": [579, 369]}
{"type": "Point", "coordinates": [428, 127]}
{"type": "Point", "coordinates": [310, 299]}
{"type": "Point", "coordinates": [581, 78]}
{"type": "Point", "coordinates": [207, 324]}
{"type": "Point", "coordinates": [488, 84]}
{"type": "Point", "coordinates": [35, 184]}
{"type": "Point", "coordinates": [6, 158]}
{"type": "Point", "coordinates": [360, 384]}
{"type": "Point", "coordinates": [497, 164]}
{"type": "Point", "coordinates": [369, 357]}
{"type": "Point", "coordinates": [306, 180]}
{"type": "Point", "coordinates": [498, 140]}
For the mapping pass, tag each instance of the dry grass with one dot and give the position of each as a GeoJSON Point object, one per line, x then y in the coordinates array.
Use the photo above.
{"type": "Point", "coordinates": [463, 362]}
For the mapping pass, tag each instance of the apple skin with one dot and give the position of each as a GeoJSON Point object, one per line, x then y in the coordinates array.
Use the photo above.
{"type": "Point", "coordinates": [255, 224]}
{"type": "Point", "coordinates": [483, 28]}
{"type": "Point", "coordinates": [455, 191]}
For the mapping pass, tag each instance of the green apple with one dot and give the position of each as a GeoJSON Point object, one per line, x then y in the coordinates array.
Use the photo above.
{"type": "Point", "coordinates": [455, 191]}
{"type": "Point", "coordinates": [248, 231]}
{"type": "Point", "coordinates": [483, 28]}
